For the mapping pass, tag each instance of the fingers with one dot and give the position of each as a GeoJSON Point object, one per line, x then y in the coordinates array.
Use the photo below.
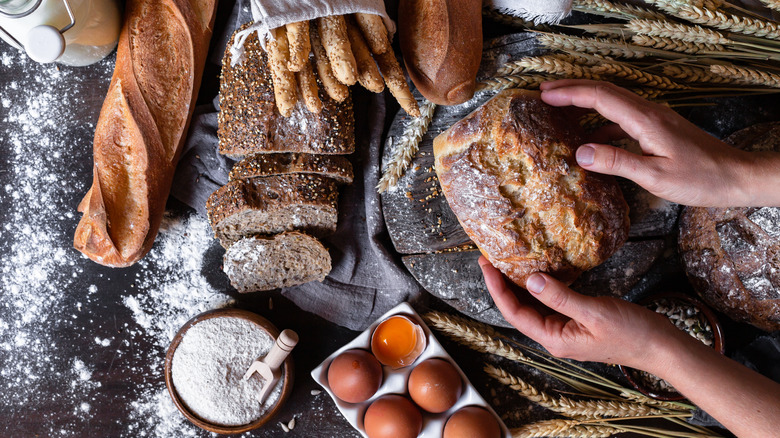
{"type": "Point", "coordinates": [616, 104]}
{"type": "Point", "coordinates": [610, 160]}
{"type": "Point", "coordinates": [555, 295]}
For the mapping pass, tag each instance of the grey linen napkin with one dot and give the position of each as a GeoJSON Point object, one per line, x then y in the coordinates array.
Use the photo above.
{"type": "Point", "coordinates": [367, 279]}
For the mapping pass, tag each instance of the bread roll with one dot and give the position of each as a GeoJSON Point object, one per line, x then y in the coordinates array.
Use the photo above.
{"type": "Point", "coordinates": [509, 174]}
{"type": "Point", "coordinates": [142, 125]}
{"type": "Point", "coordinates": [441, 42]}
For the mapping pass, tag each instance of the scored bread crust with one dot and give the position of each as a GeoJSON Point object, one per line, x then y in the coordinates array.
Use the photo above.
{"type": "Point", "coordinates": [333, 166]}
{"type": "Point", "coordinates": [141, 129]}
{"type": "Point", "coordinates": [509, 174]}
{"type": "Point", "coordinates": [273, 204]}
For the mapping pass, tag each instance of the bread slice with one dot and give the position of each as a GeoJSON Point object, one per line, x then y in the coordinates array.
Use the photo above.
{"type": "Point", "coordinates": [273, 204]}
{"type": "Point", "coordinates": [333, 166]}
{"type": "Point", "coordinates": [249, 122]}
{"type": "Point", "coordinates": [263, 263]}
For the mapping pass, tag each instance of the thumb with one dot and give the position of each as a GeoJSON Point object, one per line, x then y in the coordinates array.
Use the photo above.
{"type": "Point", "coordinates": [602, 158]}
{"type": "Point", "coordinates": [555, 295]}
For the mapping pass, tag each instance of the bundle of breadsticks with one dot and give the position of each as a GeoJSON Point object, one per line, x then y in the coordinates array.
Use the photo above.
{"type": "Point", "coordinates": [347, 49]}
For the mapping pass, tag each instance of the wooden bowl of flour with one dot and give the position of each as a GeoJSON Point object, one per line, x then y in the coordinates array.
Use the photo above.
{"type": "Point", "coordinates": [234, 333]}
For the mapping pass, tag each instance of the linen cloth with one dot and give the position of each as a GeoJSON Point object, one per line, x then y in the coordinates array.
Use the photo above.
{"type": "Point", "coordinates": [538, 11]}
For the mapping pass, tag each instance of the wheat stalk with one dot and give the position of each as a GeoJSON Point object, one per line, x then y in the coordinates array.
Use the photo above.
{"type": "Point", "coordinates": [675, 45]}
{"type": "Point", "coordinates": [706, 4]}
{"type": "Point", "coordinates": [564, 428]}
{"type": "Point", "coordinates": [597, 46]}
{"type": "Point", "coordinates": [667, 29]}
{"type": "Point", "coordinates": [635, 75]}
{"type": "Point", "coordinates": [719, 19]}
{"type": "Point", "coordinates": [772, 4]}
{"type": "Point", "coordinates": [477, 336]}
{"type": "Point", "coordinates": [747, 75]}
{"type": "Point", "coordinates": [647, 93]}
{"type": "Point", "coordinates": [696, 74]}
{"type": "Point", "coordinates": [546, 64]}
{"type": "Point", "coordinates": [498, 83]}
{"type": "Point", "coordinates": [567, 406]}
{"type": "Point", "coordinates": [408, 145]}
{"type": "Point", "coordinates": [610, 9]}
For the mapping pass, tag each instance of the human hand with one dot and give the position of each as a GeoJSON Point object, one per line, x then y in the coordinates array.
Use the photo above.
{"type": "Point", "coordinates": [574, 326]}
{"type": "Point", "coordinates": [681, 163]}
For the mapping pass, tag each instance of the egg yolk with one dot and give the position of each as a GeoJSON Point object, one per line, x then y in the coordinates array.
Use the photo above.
{"type": "Point", "coordinates": [393, 341]}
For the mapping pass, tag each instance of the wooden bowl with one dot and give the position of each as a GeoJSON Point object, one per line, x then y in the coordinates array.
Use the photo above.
{"type": "Point", "coordinates": [717, 343]}
{"type": "Point", "coordinates": [287, 376]}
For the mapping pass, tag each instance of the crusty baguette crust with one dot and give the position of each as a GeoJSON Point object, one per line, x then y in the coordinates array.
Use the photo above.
{"type": "Point", "coordinates": [509, 174]}
{"type": "Point", "coordinates": [141, 129]}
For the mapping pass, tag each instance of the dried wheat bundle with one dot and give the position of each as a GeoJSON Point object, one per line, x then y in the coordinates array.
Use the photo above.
{"type": "Point", "coordinates": [683, 32]}
{"type": "Point", "coordinates": [747, 75]}
{"type": "Point", "coordinates": [675, 45]}
{"type": "Point", "coordinates": [772, 4]}
{"type": "Point", "coordinates": [477, 336]}
{"type": "Point", "coordinates": [719, 19]}
{"type": "Point", "coordinates": [595, 46]}
{"type": "Point", "coordinates": [546, 64]}
{"type": "Point", "coordinates": [648, 93]}
{"type": "Point", "coordinates": [591, 121]}
{"type": "Point", "coordinates": [407, 146]}
{"type": "Point", "coordinates": [696, 74]}
{"type": "Point", "coordinates": [564, 428]}
{"type": "Point", "coordinates": [512, 81]}
{"type": "Point", "coordinates": [635, 75]}
{"type": "Point", "coordinates": [615, 10]}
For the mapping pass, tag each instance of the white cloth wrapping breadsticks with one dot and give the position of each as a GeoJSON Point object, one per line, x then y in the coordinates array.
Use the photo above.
{"type": "Point", "coordinates": [270, 14]}
{"type": "Point", "coordinates": [538, 11]}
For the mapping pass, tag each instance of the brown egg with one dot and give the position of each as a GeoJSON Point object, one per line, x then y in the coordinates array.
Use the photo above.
{"type": "Point", "coordinates": [392, 416]}
{"type": "Point", "coordinates": [354, 376]}
{"type": "Point", "coordinates": [435, 385]}
{"type": "Point", "coordinates": [472, 422]}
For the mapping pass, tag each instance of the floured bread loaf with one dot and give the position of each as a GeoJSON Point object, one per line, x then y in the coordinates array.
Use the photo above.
{"type": "Point", "coordinates": [272, 205]}
{"type": "Point", "coordinates": [732, 255]}
{"type": "Point", "coordinates": [288, 259]}
{"type": "Point", "coordinates": [509, 174]}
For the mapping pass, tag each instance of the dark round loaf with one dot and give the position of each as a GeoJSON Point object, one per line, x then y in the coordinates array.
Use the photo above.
{"type": "Point", "coordinates": [509, 174]}
{"type": "Point", "coordinates": [732, 255]}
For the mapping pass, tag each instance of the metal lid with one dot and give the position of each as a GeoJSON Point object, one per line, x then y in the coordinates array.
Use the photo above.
{"type": "Point", "coordinates": [45, 44]}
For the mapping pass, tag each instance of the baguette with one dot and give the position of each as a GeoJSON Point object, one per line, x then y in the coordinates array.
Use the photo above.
{"type": "Point", "coordinates": [141, 129]}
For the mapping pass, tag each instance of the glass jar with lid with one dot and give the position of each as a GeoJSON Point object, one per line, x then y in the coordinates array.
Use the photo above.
{"type": "Point", "coordinates": [70, 32]}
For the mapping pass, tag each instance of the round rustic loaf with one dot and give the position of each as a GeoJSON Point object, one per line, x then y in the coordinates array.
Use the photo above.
{"type": "Point", "coordinates": [732, 255]}
{"type": "Point", "coordinates": [509, 174]}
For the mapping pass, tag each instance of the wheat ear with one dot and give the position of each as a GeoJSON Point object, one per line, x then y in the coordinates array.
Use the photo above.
{"type": "Point", "coordinates": [616, 10]}
{"type": "Point", "coordinates": [407, 147]}
{"type": "Point", "coordinates": [747, 75]}
{"type": "Point", "coordinates": [772, 4]}
{"type": "Point", "coordinates": [664, 43]}
{"type": "Point", "coordinates": [635, 75]}
{"type": "Point", "coordinates": [719, 19]}
{"type": "Point", "coordinates": [596, 46]}
{"type": "Point", "coordinates": [696, 74]}
{"type": "Point", "coordinates": [667, 29]}
{"type": "Point", "coordinates": [479, 337]}
{"type": "Point", "coordinates": [498, 83]}
{"type": "Point", "coordinates": [546, 64]}
{"type": "Point", "coordinates": [567, 406]}
{"type": "Point", "coordinates": [564, 428]}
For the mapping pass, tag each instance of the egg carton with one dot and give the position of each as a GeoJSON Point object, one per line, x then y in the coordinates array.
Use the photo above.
{"type": "Point", "coordinates": [395, 381]}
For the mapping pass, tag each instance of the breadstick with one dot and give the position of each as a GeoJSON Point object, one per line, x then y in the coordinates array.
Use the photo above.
{"type": "Point", "coordinates": [300, 46]}
{"type": "Point", "coordinates": [396, 83]}
{"type": "Point", "coordinates": [368, 73]}
{"type": "Point", "coordinates": [285, 89]}
{"type": "Point", "coordinates": [375, 32]}
{"type": "Point", "coordinates": [335, 89]}
{"type": "Point", "coordinates": [307, 83]}
{"type": "Point", "coordinates": [333, 33]}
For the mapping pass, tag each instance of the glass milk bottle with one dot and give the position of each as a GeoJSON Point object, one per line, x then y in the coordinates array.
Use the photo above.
{"type": "Point", "coordinates": [70, 32]}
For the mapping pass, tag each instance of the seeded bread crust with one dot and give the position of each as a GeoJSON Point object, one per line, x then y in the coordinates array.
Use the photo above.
{"type": "Point", "coordinates": [264, 263]}
{"type": "Point", "coordinates": [250, 123]}
{"type": "Point", "coordinates": [333, 166]}
{"type": "Point", "coordinates": [509, 174]}
{"type": "Point", "coordinates": [272, 205]}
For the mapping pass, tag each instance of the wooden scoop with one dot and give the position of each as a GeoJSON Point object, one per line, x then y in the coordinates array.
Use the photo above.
{"type": "Point", "coordinates": [269, 367]}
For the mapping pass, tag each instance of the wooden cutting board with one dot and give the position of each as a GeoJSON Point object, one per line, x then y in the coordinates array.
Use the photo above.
{"type": "Point", "coordinates": [426, 232]}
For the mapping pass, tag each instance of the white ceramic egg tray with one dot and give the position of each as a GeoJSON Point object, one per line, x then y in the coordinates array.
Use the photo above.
{"type": "Point", "coordinates": [395, 381]}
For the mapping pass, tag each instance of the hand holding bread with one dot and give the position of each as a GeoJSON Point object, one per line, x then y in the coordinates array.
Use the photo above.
{"type": "Point", "coordinates": [346, 51]}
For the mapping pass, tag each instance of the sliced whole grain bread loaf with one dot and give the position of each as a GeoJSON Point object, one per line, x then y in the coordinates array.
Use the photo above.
{"type": "Point", "coordinates": [249, 122]}
{"type": "Point", "coordinates": [263, 263]}
{"type": "Point", "coordinates": [333, 166]}
{"type": "Point", "coordinates": [273, 204]}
